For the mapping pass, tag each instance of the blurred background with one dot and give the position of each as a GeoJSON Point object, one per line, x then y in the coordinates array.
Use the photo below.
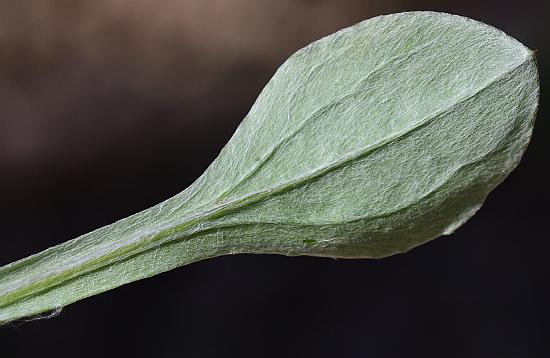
{"type": "Point", "coordinates": [110, 106]}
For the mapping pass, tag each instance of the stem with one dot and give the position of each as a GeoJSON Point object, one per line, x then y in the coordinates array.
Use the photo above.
{"type": "Point", "coordinates": [80, 268]}
{"type": "Point", "coordinates": [140, 246]}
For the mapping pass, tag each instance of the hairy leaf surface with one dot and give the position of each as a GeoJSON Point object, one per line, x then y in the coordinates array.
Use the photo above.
{"type": "Point", "coordinates": [364, 144]}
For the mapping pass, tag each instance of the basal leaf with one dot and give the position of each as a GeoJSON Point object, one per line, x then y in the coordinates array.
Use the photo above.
{"type": "Point", "coordinates": [364, 144]}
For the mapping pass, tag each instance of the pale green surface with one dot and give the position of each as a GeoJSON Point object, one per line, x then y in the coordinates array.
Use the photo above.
{"type": "Point", "coordinates": [365, 143]}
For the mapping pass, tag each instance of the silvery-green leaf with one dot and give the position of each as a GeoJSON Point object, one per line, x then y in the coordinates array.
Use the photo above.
{"type": "Point", "coordinates": [364, 144]}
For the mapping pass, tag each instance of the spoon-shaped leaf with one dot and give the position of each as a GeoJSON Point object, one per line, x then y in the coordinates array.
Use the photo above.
{"type": "Point", "coordinates": [365, 143]}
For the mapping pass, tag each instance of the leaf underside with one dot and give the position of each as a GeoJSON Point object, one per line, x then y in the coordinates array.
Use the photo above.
{"type": "Point", "coordinates": [364, 144]}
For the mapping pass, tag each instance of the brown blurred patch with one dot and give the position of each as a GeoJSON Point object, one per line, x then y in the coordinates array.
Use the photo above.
{"type": "Point", "coordinates": [78, 76]}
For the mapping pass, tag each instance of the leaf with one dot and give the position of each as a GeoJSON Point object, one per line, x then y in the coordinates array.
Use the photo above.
{"type": "Point", "coordinates": [364, 144]}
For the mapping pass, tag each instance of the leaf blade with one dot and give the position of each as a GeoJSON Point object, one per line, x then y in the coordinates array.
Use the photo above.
{"type": "Point", "coordinates": [318, 165]}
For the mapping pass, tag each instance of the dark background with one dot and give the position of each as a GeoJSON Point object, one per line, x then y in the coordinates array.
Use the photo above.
{"type": "Point", "coordinates": [110, 106]}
